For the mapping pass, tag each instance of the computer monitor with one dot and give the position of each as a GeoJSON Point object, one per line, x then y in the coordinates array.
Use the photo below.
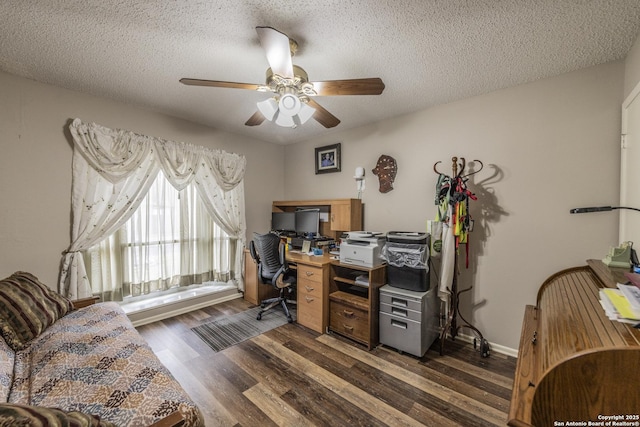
{"type": "Point", "coordinates": [307, 221]}
{"type": "Point", "coordinates": [283, 221]}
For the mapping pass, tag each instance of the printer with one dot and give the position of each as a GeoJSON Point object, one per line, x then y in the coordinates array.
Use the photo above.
{"type": "Point", "coordinates": [362, 248]}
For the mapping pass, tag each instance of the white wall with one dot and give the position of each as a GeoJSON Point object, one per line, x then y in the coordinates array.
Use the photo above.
{"type": "Point", "coordinates": [547, 146]}
{"type": "Point", "coordinates": [632, 68]}
{"type": "Point", "coordinates": [35, 167]}
{"type": "Point", "coordinates": [630, 155]}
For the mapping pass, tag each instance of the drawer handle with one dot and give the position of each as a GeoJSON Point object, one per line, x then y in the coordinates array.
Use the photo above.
{"type": "Point", "coordinates": [398, 324]}
{"type": "Point", "coordinates": [399, 312]}
{"type": "Point", "coordinates": [348, 313]}
{"type": "Point", "coordinates": [309, 289]}
{"type": "Point", "coordinates": [534, 340]}
{"type": "Point", "coordinates": [309, 299]}
{"type": "Point", "coordinates": [308, 273]}
{"type": "Point", "coordinates": [400, 302]}
{"type": "Point", "coordinates": [348, 328]}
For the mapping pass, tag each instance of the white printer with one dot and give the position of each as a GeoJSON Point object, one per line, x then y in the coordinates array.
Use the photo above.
{"type": "Point", "coordinates": [362, 248]}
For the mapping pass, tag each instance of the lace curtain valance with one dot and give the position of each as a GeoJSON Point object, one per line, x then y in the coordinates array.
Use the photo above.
{"type": "Point", "coordinates": [116, 154]}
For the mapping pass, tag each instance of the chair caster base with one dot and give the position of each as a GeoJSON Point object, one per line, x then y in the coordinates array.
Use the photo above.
{"type": "Point", "coordinates": [259, 316]}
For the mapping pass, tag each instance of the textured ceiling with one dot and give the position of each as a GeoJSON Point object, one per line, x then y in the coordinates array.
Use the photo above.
{"type": "Point", "coordinates": [428, 52]}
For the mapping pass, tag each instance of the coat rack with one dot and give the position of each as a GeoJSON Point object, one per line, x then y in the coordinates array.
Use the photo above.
{"type": "Point", "coordinates": [452, 190]}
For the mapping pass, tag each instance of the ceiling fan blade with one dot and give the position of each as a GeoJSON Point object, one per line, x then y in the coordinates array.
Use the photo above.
{"type": "Point", "coordinates": [370, 86]}
{"type": "Point", "coordinates": [216, 83]}
{"type": "Point", "coordinates": [278, 50]}
{"type": "Point", "coordinates": [256, 119]}
{"type": "Point", "coordinates": [322, 116]}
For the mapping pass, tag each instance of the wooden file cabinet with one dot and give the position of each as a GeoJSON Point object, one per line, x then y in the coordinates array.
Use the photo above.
{"type": "Point", "coordinates": [312, 290]}
{"type": "Point", "coordinates": [349, 316]}
{"type": "Point", "coordinates": [353, 308]}
{"type": "Point", "coordinates": [311, 300]}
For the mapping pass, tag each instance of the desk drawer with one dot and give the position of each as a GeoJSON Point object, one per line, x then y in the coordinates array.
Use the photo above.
{"type": "Point", "coordinates": [401, 313]}
{"type": "Point", "coordinates": [309, 311]}
{"type": "Point", "coordinates": [309, 287]}
{"type": "Point", "coordinates": [309, 273]}
{"type": "Point", "coordinates": [396, 300]}
{"type": "Point", "coordinates": [404, 334]}
{"type": "Point", "coordinates": [349, 321]}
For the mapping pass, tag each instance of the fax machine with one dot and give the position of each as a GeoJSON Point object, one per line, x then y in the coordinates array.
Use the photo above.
{"type": "Point", "coordinates": [362, 248]}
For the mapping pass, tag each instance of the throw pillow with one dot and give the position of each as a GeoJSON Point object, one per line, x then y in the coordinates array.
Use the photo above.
{"type": "Point", "coordinates": [27, 308]}
{"type": "Point", "coordinates": [13, 414]}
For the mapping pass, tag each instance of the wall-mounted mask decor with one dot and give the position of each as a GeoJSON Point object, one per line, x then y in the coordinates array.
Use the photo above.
{"type": "Point", "coordinates": [386, 169]}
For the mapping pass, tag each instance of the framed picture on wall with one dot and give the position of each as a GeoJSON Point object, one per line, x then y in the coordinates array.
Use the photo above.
{"type": "Point", "coordinates": [328, 159]}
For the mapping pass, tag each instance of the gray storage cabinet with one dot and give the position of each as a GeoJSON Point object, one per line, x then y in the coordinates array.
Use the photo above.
{"type": "Point", "coordinates": [409, 320]}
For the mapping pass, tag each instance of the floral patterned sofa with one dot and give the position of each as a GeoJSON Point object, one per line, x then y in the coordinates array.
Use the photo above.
{"type": "Point", "coordinates": [85, 366]}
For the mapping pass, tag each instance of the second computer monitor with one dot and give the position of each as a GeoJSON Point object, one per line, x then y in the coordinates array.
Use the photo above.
{"type": "Point", "coordinates": [307, 222]}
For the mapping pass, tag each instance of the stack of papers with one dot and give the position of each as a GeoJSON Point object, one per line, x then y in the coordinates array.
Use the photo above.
{"type": "Point", "coordinates": [362, 280]}
{"type": "Point", "coordinates": [622, 304]}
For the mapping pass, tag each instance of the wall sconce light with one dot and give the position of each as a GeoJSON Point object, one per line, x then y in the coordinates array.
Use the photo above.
{"type": "Point", "coordinates": [359, 177]}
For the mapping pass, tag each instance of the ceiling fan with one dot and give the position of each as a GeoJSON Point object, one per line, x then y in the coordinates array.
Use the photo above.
{"type": "Point", "coordinates": [293, 102]}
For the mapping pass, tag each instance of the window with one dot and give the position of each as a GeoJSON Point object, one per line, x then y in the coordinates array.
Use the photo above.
{"type": "Point", "coordinates": [170, 241]}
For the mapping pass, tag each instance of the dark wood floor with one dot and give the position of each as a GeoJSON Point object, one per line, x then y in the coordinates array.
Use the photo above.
{"type": "Point", "coordinates": [291, 376]}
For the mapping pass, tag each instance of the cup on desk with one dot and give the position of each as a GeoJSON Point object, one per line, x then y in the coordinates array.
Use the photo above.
{"type": "Point", "coordinates": [317, 251]}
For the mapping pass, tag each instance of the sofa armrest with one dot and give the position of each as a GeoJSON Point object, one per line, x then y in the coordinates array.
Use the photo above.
{"type": "Point", "coordinates": [84, 302]}
{"type": "Point", "coordinates": [174, 419]}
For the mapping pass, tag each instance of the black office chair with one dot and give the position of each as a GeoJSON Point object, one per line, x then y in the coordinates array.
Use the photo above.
{"type": "Point", "coordinates": [269, 254]}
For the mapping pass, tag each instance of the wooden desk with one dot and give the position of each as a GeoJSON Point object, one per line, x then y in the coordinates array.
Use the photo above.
{"type": "Point", "coordinates": [254, 290]}
{"type": "Point", "coordinates": [312, 289]}
{"type": "Point", "coordinates": [323, 305]}
{"type": "Point", "coordinates": [574, 364]}
{"type": "Point", "coordinates": [344, 214]}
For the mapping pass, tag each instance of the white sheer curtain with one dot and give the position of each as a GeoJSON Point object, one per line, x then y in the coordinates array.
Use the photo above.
{"type": "Point", "coordinates": [112, 172]}
{"type": "Point", "coordinates": [169, 241]}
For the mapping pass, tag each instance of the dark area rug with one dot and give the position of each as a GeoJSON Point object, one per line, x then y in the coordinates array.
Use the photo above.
{"type": "Point", "coordinates": [225, 332]}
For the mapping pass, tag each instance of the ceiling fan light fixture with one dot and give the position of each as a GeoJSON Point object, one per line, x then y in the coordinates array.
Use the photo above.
{"type": "Point", "coordinates": [293, 103]}
{"type": "Point", "coordinates": [305, 113]}
{"type": "Point", "coordinates": [288, 111]}
{"type": "Point", "coordinates": [289, 105]}
{"type": "Point", "coordinates": [268, 108]}
{"type": "Point", "coordinates": [285, 121]}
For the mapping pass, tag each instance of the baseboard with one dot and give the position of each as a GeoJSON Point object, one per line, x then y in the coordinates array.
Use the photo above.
{"type": "Point", "coordinates": [507, 351]}
{"type": "Point", "coordinates": [180, 307]}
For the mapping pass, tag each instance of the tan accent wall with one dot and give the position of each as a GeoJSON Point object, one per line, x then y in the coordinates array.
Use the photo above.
{"type": "Point", "coordinates": [35, 167]}
{"type": "Point", "coordinates": [547, 146]}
